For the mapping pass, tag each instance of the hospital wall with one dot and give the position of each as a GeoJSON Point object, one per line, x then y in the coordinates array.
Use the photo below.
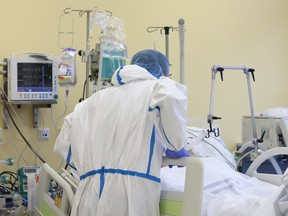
{"type": "Point", "coordinates": [223, 32]}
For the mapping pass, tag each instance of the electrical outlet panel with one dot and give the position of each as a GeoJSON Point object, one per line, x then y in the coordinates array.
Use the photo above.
{"type": "Point", "coordinates": [44, 134]}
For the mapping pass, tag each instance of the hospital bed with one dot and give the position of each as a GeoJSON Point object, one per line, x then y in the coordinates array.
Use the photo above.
{"type": "Point", "coordinates": [172, 203]}
{"type": "Point", "coordinates": [228, 192]}
{"type": "Point", "coordinates": [47, 203]}
{"type": "Point", "coordinates": [187, 199]}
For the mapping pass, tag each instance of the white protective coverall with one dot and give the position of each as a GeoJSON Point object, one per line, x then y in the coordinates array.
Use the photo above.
{"type": "Point", "coordinates": [112, 138]}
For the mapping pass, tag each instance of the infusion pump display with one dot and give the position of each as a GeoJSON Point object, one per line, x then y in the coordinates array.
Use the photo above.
{"type": "Point", "coordinates": [32, 80]}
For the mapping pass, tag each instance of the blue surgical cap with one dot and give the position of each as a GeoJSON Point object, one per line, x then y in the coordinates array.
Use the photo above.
{"type": "Point", "coordinates": [153, 61]}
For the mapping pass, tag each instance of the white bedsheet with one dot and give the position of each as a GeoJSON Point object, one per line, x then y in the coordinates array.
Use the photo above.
{"type": "Point", "coordinates": [226, 192]}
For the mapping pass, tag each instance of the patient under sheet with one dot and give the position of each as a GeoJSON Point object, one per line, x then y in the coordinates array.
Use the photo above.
{"type": "Point", "coordinates": [226, 191]}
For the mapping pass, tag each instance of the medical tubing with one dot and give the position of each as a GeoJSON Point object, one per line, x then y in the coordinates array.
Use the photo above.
{"type": "Point", "coordinates": [14, 192]}
{"type": "Point", "coordinates": [83, 92]}
{"type": "Point", "coordinates": [155, 40]}
{"type": "Point", "coordinates": [52, 119]}
{"type": "Point", "coordinates": [28, 144]}
{"type": "Point", "coordinates": [230, 164]}
{"type": "Point", "coordinates": [272, 160]}
{"type": "Point", "coordinates": [182, 52]}
{"type": "Point", "coordinates": [262, 148]}
{"type": "Point", "coordinates": [10, 137]}
{"type": "Point", "coordinates": [10, 133]}
{"type": "Point", "coordinates": [12, 181]}
{"type": "Point", "coordinates": [276, 166]}
{"type": "Point", "coordinates": [223, 144]}
{"type": "Point", "coordinates": [4, 95]}
{"type": "Point", "coordinates": [40, 142]}
{"type": "Point", "coordinates": [100, 69]}
{"type": "Point", "coordinates": [71, 32]}
{"type": "Point", "coordinates": [195, 141]}
{"type": "Point", "coordinates": [242, 157]}
{"type": "Point", "coordinates": [63, 114]}
{"type": "Point", "coordinates": [88, 69]}
{"type": "Point", "coordinates": [38, 211]}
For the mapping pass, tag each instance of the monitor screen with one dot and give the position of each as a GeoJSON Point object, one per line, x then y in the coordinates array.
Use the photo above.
{"type": "Point", "coordinates": [34, 77]}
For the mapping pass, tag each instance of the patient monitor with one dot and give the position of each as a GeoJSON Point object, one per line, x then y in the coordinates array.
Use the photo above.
{"type": "Point", "coordinates": [32, 79]}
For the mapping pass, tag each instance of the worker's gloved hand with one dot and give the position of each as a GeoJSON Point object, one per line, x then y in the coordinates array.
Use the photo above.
{"type": "Point", "coordinates": [175, 155]}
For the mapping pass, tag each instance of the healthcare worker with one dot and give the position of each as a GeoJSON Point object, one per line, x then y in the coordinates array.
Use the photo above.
{"type": "Point", "coordinates": [116, 139]}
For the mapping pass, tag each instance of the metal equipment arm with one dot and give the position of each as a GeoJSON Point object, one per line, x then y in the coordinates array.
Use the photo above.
{"type": "Point", "coordinates": [247, 71]}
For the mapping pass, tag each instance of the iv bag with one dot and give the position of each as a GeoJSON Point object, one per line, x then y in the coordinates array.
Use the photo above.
{"type": "Point", "coordinates": [67, 75]}
{"type": "Point", "coordinates": [111, 64]}
{"type": "Point", "coordinates": [103, 67]}
{"type": "Point", "coordinates": [113, 47]}
{"type": "Point", "coordinates": [113, 39]}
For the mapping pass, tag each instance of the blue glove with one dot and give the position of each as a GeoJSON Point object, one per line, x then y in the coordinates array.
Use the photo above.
{"type": "Point", "coordinates": [178, 154]}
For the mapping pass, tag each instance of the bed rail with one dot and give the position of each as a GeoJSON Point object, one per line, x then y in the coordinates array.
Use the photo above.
{"type": "Point", "coordinates": [47, 206]}
{"type": "Point", "coordinates": [192, 198]}
{"type": "Point", "coordinates": [193, 190]}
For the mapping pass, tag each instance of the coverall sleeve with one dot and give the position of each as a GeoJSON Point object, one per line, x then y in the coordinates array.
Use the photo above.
{"type": "Point", "coordinates": [168, 107]}
{"type": "Point", "coordinates": [63, 141]}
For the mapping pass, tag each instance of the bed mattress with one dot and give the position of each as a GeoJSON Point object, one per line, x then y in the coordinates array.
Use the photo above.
{"type": "Point", "coordinates": [226, 191]}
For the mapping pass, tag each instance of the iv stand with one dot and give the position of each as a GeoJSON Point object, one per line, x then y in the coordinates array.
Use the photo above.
{"type": "Point", "coordinates": [211, 117]}
{"type": "Point", "coordinates": [166, 30]}
{"type": "Point", "coordinates": [87, 54]}
{"type": "Point", "coordinates": [181, 30]}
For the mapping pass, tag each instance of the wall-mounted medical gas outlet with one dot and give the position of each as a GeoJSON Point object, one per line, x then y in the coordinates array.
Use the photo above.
{"type": "Point", "coordinates": [44, 134]}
